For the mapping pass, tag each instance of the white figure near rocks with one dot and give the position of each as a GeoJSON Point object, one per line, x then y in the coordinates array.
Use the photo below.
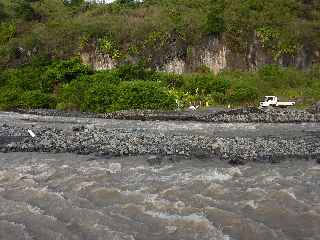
{"type": "Point", "coordinates": [31, 133]}
{"type": "Point", "coordinates": [193, 108]}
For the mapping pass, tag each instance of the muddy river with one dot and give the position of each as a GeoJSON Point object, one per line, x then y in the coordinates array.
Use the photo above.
{"type": "Point", "coordinates": [65, 196]}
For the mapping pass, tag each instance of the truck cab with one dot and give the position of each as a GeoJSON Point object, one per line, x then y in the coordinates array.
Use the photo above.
{"type": "Point", "coordinates": [273, 101]}
{"type": "Point", "coordinates": [269, 101]}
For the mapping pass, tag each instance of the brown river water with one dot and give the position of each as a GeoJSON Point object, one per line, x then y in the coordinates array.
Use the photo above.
{"type": "Point", "coordinates": [66, 196]}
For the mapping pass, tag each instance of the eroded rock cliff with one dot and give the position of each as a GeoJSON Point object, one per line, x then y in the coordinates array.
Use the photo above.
{"type": "Point", "coordinates": [212, 53]}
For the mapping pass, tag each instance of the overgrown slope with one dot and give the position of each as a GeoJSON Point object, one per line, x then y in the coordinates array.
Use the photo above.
{"type": "Point", "coordinates": [58, 29]}
{"type": "Point", "coordinates": [41, 40]}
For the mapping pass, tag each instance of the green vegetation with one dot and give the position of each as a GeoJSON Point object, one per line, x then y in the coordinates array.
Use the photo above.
{"type": "Point", "coordinates": [69, 85]}
{"type": "Point", "coordinates": [60, 29]}
{"type": "Point", "coordinates": [40, 42]}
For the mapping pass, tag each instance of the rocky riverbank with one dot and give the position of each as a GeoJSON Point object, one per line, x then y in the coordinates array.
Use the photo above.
{"type": "Point", "coordinates": [159, 146]}
{"type": "Point", "coordinates": [240, 115]}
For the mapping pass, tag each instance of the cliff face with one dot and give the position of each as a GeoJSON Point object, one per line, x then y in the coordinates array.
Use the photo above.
{"type": "Point", "coordinates": [212, 53]}
{"type": "Point", "coordinates": [98, 61]}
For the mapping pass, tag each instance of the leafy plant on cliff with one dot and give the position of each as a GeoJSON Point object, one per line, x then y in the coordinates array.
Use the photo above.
{"type": "Point", "coordinates": [108, 46]}
{"type": "Point", "coordinates": [7, 32]}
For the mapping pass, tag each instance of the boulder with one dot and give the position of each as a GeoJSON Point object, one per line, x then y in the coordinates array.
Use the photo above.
{"type": "Point", "coordinates": [315, 108]}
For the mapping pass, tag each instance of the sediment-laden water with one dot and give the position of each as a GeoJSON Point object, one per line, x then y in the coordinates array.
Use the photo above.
{"type": "Point", "coordinates": [66, 196]}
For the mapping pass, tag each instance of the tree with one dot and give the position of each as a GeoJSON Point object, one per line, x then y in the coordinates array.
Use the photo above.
{"type": "Point", "coordinates": [3, 14]}
{"type": "Point", "coordinates": [215, 24]}
{"type": "Point", "coordinates": [22, 9]}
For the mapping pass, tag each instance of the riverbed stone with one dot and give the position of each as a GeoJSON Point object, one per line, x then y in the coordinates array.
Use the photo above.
{"type": "Point", "coordinates": [117, 142]}
{"type": "Point", "coordinates": [246, 114]}
{"type": "Point", "coordinates": [89, 139]}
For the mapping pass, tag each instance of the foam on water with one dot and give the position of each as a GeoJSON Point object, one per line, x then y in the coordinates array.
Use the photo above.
{"type": "Point", "coordinates": [214, 175]}
{"type": "Point", "coordinates": [270, 178]}
{"type": "Point", "coordinates": [289, 192]}
{"type": "Point", "coordinates": [138, 168]}
{"type": "Point", "coordinates": [35, 210]}
{"type": "Point", "coordinates": [3, 175]}
{"type": "Point", "coordinates": [186, 200]}
{"type": "Point", "coordinates": [161, 169]}
{"type": "Point", "coordinates": [252, 204]}
{"type": "Point", "coordinates": [114, 167]}
{"type": "Point", "coordinates": [315, 168]}
{"type": "Point", "coordinates": [234, 171]}
{"type": "Point", "coordinates": [174, 218]}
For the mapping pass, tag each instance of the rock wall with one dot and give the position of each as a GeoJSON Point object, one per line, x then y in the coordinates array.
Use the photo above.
{"type": "Point", "coordinates": [98, 61]}
{"type": "Point", "coordinates": [212, 53]}
{"type": "Point", "coordinates": [176, 65]}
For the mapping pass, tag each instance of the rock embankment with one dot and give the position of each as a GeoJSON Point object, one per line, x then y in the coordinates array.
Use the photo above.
{"type": "Point", "coordinates": [116, 142]}
{"type": "Point", "coordinates": [241, 115]}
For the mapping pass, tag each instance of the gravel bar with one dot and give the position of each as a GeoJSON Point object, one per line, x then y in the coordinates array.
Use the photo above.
{"type": "Point", "coordinates": [171, 145]}
{"type": "Point", "coordinates": [240, 115]}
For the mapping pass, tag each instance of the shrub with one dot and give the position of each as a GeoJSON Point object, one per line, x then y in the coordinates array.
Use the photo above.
{"type": "Point", "coordinates": [22, 9]}
{"type": "Point", "coordinates": [99, 97]}
{"type": "Point", "coordinates": [243, 93]}
{"type": "Point", "coordinates": [2, 78]}
{"type": "Point", "coordinates": [170, 80]}
{"type": "Point", "coordinates": [314, 73]}
{"type": "Point", "coordinates": [134, 72]}
{"type": "Point", "coordinates": [37, 99]}
{"type": "Point", "coordinates": [143, 95]}
{"type": "Point", "coordinates": [71, 95]}
{"type": "Point", "coordinates": [270, 73]}
{"type": "Point", "coordinates": [216, 98]}
{"type": "Point", "coordinates": [106, 76]}
{"type": "Point", "coordinates": [10, 98]}
{"type": "Point", "coordinates": [27, 78]}
{"type": "Point", "coordinates": [63, 72]}
{"type": "Point", "coordinates": [279, 77]}
{"type": "Point", "coordinates": [205, 84]}
{"type": "Point", "coordinates": [220, 85]}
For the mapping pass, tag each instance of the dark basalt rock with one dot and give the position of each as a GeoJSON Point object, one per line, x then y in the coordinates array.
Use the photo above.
{"type": "Point", "coordinates": [236, 161]}
{"type": "Point", "coordinates": [116, 142]}
{"type": "Point", "coordinates": [11, 139]}
{"type": "Point", "coordinates": [247, 114]}
{"type": "Point", "coordinates": [105, 143]}
{"type": "Point", "coordinates": [315, 108]}
{"type": "Point", "coordinates": [78, 128]}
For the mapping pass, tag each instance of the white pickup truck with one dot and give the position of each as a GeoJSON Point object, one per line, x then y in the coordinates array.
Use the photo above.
{"type": "Point", "coordinates": [272, 101]}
